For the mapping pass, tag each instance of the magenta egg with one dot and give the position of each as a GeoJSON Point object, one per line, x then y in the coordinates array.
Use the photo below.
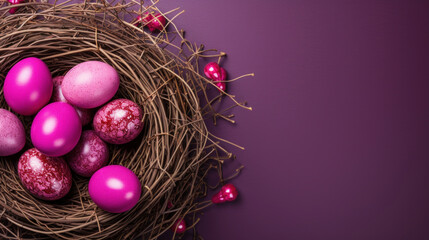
{"type": "Point", "coordinates": [47, 178]}
{"type": "Point", "coordinates": [56, 129]}
{"type": "Point", "coordinates": [28, 86]}
{"type": "Point", "coordinates": [85, 115]}
{"type": "Point", "coordinates": [90, 84]}
{"type": "Point", "coordinates": [12, 133]}
{"type": "Point", "coordinates": [119, 121]}
{"type": "Point", "coordinates": [89, 155]}
{"type": "Point", "coordinates": [114, 188]}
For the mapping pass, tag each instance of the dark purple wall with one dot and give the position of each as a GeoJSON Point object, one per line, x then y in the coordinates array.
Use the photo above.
{"type": "Point", "coordinates": [337, 146]}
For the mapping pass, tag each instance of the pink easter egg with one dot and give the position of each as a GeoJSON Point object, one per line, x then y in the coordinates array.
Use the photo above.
{"type": "Point", "coordinates": [28, 86]}
{"type": "Point", "coordinates": [114, 188]}
{"type": "Point", "coordinates": [90, 84]}
{"type": "Point", "coordinates": [12, 133]}
{"type": "Point", "coordinates": [119, 121]}
{"type": "Point", "coordinates": [85, 115]}
{"type": "Point", "coordinates": [89, 155]}
{"type": "Point", "coordinates": [47, 178]}
{"type": "Point", "coordinates": [56, 129]}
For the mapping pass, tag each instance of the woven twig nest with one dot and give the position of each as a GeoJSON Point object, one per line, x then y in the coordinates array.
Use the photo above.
{"type": "Point", "coordinates": [171, 156]}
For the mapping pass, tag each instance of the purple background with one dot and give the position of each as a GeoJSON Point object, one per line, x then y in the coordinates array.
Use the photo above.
{"type": "Point", "coordinates": [337, 146]}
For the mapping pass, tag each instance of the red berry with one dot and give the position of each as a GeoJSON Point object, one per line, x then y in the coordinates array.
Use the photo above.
{"type": "Point", "coordinates": [228, 193]}
{"type": "Point", "coordinates": [179, 226]}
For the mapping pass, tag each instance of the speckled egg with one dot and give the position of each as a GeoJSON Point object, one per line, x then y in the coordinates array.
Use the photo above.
{"type": "Point", "coordinates": [28, 86]}
{"type": "Point", "coordinates": [12, 133]}
{"type": "Point", "coordinates": [47, 178]}
{"type": "Point", "coordinates": [85, 115]}
{"type": "Point", "coordinates": [89, 155]}
{"type": "Point", "coordinates": [90, 84]}
{"type": "Point", "coordinates": [119, 121]}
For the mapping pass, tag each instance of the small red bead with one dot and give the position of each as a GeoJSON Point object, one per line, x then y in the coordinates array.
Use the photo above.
{"type": "Point", "coordinates": [212, 71]}
{"type": "Point", "coordinates": [138, 21]}
{"type": "Point", "coordinates": [13, 2]}
{"type": "Point", "coordinates": [221, 85]}
{"type": "Point", "coordinates": [153, 22]}
{"type": "Point", "coordinates": [158, 22]}
{"type": "Point", "coordinates": [217, 74]}
{"type": "Point", "coordinates": [228, 193]}
{"type": "Point", "coordinates": [16, 1]}
{"type": "Point", "coordinates": [179, 226]}
{"type": "Point", "coordinates": [223, 75]}
{"type": "Point", "coordinates": [144, 18]}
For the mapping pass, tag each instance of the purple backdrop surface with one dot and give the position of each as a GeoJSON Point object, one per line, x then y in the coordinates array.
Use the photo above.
{"type": "Point", "coordinates": [337, 144]}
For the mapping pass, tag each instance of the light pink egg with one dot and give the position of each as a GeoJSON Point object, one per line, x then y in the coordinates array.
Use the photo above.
{"type": "Point", "coordinates": [12, 133]}
{"type": "Point", "coordinates": [47, 178]}
{"type": "Point", "coordinates": [89, 155]}
{"type": "Point", "coordinates": [90, 84]}
{"type": "Point", "coordinates": [119, 121]}
{"type": "Point", "coordinates": [85, 115]}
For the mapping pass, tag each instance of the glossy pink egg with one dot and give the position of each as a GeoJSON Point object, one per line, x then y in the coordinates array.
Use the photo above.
{"type": "Point", "coordinates": [28, 86]}
{"type": "Point", "coordinates": [90, 84]}
{"type": "Point", "coordinates": [56, 129]}
{"type": "Point", "coordinates": [89, 155]}
{"type": "Point", "coordinates": [119, 121]}
{"type": "Point", "coordinates": [47, 178]}
{"type": "Point", "coordinates": [85, 115]}
{"type": "Point", "coordinates": [12, 133]}
{"type": "Point", "coordinates": [114, 188]}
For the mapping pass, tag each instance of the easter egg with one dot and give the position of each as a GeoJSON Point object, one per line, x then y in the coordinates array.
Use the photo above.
{"type": "Point", "coordinates": [85, 115]}
{"type": "Point", "coordinates": [114, 188]}
{"type": "Point", "coordinates": [119, 121]}
{"type": "Point", "coordinates": [90, 84]}
{"type": "Point", "coordinates": [28, 86]}
{"type": "Point", "coordinates": [89, 155]}
{"type": "Point", "coordinates": [56, 129]}
{"type": "Point", "coordinates": [47, 178]}
{"type": "Point", "coordinates": [12, 133]}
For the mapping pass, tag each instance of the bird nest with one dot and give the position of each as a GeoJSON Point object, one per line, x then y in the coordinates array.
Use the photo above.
{"type": "Point", "coordinates": [158, 71]}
